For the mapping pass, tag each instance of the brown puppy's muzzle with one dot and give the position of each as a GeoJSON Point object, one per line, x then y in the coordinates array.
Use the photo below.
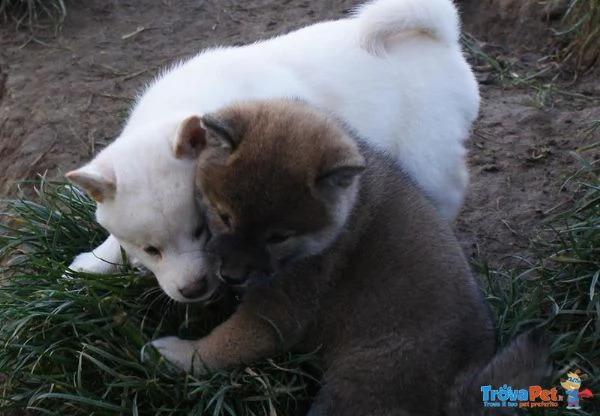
{"type": "Point", "coordinates": [239, 264]}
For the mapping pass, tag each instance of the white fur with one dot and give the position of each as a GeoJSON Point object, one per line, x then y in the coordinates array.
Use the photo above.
{"type": "Point", "coordinates": [105, 258]}
{"type": "Point", "coordinates": [395, 72]}
{"type": "Point", "coordinates": [182, 353]}
{"type": "Point", "coordinates": [381, 19]}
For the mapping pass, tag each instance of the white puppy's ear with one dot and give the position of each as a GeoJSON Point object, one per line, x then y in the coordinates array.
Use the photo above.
{"type": "Point", "coordinates": [190, 139]}
{"type": "Point", "coordinates": [99, 183]}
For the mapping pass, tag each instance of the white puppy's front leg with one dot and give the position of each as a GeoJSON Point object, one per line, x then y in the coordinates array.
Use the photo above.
{"type": "Point", "coordinates": [104, 259]}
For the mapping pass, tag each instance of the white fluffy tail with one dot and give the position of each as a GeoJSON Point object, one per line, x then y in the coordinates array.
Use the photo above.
{"type": "Point", "coordinates": [381, 19]}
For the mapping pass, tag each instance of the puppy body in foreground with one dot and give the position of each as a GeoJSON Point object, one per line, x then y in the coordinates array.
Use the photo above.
{"type": "Point", "coordinates": [394, 70]}
{"type": "Point", "coordinates": [335, 248]}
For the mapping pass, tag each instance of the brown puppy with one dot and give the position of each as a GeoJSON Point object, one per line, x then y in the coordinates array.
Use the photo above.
{"type": "Point", "coordinates": [335, 248]}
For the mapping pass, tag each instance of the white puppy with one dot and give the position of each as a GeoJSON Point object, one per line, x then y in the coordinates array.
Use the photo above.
{"type": "Point", "coordinates": [394, 72]}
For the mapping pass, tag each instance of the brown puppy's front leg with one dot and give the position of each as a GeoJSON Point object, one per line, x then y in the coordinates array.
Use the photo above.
{"type": "Point", "coordinates": [265, 324]}
{"type": "Point", "coordinates": [243, 338]}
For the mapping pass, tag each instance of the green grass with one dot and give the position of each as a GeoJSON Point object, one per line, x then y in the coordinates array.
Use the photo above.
{"type": "Point", "coordinates": [31, 12]}
{"type": "Point", "coordinates": [73, 345]}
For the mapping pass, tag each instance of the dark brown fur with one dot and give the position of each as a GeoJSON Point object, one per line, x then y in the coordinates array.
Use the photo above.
{"type": "Point", "coordinates": [402, 325]}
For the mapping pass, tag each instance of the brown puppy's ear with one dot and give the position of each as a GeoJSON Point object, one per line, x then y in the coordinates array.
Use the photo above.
{"type": "Point", "coordinates": [98, 182]}
{"type": "Point", "coordinates": [336, 179]}
{"type": "Point", "coordinates": [190, 139]}
{"type": "Point", "coordinates": [219, 132]}
{"type": "Point", "coordinates": [339, 177]}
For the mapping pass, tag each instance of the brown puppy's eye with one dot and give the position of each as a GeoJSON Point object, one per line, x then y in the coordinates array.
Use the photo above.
{"type": "Point", "coordinates": [152, 251]}
{"type": "Point", "coordinates": [198, 232]}
{"type": "Point", "coordinates": [203, 231]}
{"type": "Point", "coordinates": [278, 238]}
{"type": "Point", "coordinates": [226, 220]}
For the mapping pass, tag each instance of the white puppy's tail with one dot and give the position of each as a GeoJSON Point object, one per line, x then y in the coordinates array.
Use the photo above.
{"type": "Point", "coordinates": [381, 19]}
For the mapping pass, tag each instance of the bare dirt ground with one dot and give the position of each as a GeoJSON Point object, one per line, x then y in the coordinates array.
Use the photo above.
{"type": "Point", "coordinates": [64, 95]}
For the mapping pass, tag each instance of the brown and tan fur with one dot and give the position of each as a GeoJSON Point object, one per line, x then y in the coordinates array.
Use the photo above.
{"type": "Point", "coordinates": [334, 248]}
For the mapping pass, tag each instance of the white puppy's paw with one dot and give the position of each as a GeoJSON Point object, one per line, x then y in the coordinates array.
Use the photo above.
{"type": "Point", "coordinates": [183, 354]}
{"type": "Point", "coordinates": [90, 263]}
{"type": "Point", "coordinates": [104, 259]}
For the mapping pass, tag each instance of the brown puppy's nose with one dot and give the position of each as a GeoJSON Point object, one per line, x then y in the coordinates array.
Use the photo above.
{"type": "Point", "coordinates": [195, 289]}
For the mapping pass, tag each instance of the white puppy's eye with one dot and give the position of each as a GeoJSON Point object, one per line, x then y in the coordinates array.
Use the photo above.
{"type": "Point", "coordinates": [152, 251]}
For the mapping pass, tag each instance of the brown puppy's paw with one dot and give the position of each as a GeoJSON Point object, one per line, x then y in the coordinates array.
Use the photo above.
{"type": "Point", "coordinates": [183, 354]}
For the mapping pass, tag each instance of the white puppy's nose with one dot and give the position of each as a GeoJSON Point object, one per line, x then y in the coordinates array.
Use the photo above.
{"type": "Point", "coordinates": [195, 289]}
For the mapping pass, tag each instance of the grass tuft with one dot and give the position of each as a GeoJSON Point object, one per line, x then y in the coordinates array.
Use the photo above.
{"type": "Point", "coordinates": [73, 344]}
{"type": "Point", "coordinates": [30, 12]}
{"type": "Point", "coordinates": [494, 66]}
{"type": "Point", "coordinates": [560, 289]}
{"type": "Point", "coordinates": [581, 30]}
